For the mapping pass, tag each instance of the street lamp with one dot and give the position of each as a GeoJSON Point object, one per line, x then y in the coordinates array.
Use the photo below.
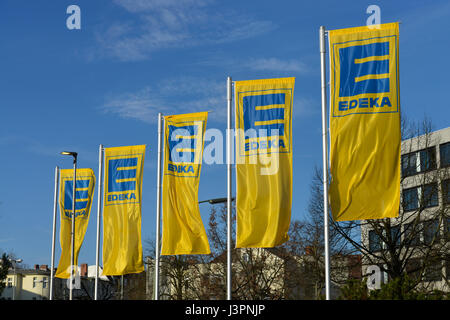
{"type": "Point", "coordinates": [14, 261]}
{"type": "Point", "coordinates": [72, 235]}
{"type": "Point", "coordinates": [225, 200]}
{"type": "Point", "coordinates": [215, 201]}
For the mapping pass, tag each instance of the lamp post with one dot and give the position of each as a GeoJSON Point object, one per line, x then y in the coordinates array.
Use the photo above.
{"type": "Point", "coordinates": [72, 234]}
{"type": "Point", "coordinates": [14, 261]}
{"type": "Point", "coordinates": [228, 200]}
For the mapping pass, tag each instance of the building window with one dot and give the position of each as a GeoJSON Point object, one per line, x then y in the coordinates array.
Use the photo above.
{"type": "Point", "coordinates": [411, 199]}
{"type": "Point", "coordinates": [446, 191]}
{"type": "Point", "coordinates": [447, 267]}
{"type": "Point", "coordinates": [44, 282]}
{"type": "Point", "coordinates": [10, 283]}
{"type": "Point", "coordinates": [431, 231]}
{"type": "Point", "coordinates": [430, 195]}
{"type": "Point", "coordinates": [395, 236]}
{"type": "Point", "coordinates": [413, 267]}
{"type": "Point", "coordinates": [447, 229]}
{"type": "Point", "coordinates": [34, 282]}
{"type": "Point", "coordinates": [412, 234]}
{"type": "Point", "coordinates": [409, 166]}
{"type": "Point", "coordinates": [419, 161]}
{"type": "Point", "coordinates": [433, 272]}
{"type": "Point", "coordinates": [427, 159]}
{"type": "Point", "coordinates": [245, 257]}
{"type": "Point", "coordinates": [444, 150]}
{"type": "Point", "coordinates": [374, 241]}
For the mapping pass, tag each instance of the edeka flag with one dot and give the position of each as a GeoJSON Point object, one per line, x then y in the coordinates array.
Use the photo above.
{"type": "Point", "coordinates": [364, 123]}
{"type": "Point", "coordinates": [263, 161]}
{"type": "Point", "coordinates": [122, 245]}
{"type": "Point", "coordinates": [183, 230]}
{"type": "Point", "coordinates": [84, 191]}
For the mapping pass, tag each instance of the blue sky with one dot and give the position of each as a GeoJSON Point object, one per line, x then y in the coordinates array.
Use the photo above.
{"type": "Point", "coordinates": [66, 89]}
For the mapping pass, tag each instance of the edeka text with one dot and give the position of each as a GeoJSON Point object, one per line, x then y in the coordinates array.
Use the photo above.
{"type": "Point", "coordinates": [364, 103]}
{"type": "Point", "coordinates": [180, 168]}
{"type": "Point", "coordinates": [262, 145]}
{"type": "Point", "coordinates": [122, 197]}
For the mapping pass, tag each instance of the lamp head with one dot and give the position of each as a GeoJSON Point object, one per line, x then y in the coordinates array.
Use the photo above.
{"type": "Point", "coordinates": [69, 153]}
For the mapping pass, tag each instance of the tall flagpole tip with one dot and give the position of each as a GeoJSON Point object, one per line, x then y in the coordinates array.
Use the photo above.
{"type": "Point", "coordinates": [322, 39]}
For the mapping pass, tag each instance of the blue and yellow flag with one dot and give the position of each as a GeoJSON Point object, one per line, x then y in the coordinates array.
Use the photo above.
{"type": "Point", "coordinates": [365, 123]}
{"type": "Point", "coordinates": [84, 191]}
{"type": "Point", "coordinates": [122, 244]}
{"type": "Point", "coordinates": [263, 161]}
{"type": "Point", "coordinates": [183, 230]}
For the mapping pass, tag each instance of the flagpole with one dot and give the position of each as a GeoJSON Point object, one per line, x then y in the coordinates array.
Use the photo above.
{"type": "Point", "coordinates": [55, 209]}
{"type": "Point", "coordinates": [229, 191]}
{"type": "Point", "coordinates": [158, 207]}
{"type": "Point", "coordinates": [74, 199]}
{"type": "Point", "coordinates": [99, 202]}
{"type": "Point", "coordinates": [325, 157]}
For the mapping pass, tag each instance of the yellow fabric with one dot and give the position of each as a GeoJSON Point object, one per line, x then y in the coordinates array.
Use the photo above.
{"type": "Point", "coordinates": [122, 245]}
{"type": "Point", "coordinates": [84, 192]}
{"type": "Point", "coordinates": [263, 161]}
{"type": "Point", "coordinates": [183, 230]}
{"type": "Point", "coordinates": [364, 123]}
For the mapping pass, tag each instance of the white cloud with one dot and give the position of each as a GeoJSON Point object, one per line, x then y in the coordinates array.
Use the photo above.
{"type": "Point", "coordinates": [162, 24]}
{"type": "Point", "coordinates": [135, 6]}
{"type": "Point", "coordinates": [175, 96]}
{"type": "Point", "coordinates": [304, 107]}
{"type": "Point", "coordinates": [275, 64]}
{"type": "Point", "coordinates": [267, 65]}
{"type": "Point", "coordinates": [184, 95]}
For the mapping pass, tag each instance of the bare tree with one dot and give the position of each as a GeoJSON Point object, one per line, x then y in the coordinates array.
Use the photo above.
{"type": "Point", "coordinates": [179, 274]}
{"type": "Point", "coordinates": [258, 273]}
{"type": "Point", "coordinates": [341, 253]}
{"type": "Point", "coordinates": [5, 264]}
{"type": "Point", "coordinates": [412, 243]}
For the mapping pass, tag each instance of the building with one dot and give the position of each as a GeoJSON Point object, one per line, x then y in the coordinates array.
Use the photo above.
{"type": "Point", "coordinates": [417, 241]}
{"type": "Point", "coordinates": [28, 284]}
{"type": "Point", "coordinates": [34, 284]}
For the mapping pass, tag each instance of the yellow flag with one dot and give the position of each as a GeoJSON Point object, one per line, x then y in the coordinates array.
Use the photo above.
{"type": "Point", "coordinates": [122, 245]}
{"type": "Point", "coordinates": [84, 191]}
{"type": "Point", "coordinates": [263, 161]}
{"type": "Point", "coordinates": [183, 230]}
{"type": "Point", "coordinates": [364, 123]}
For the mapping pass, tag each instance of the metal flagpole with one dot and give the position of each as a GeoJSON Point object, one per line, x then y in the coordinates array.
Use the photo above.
{"type": "Point", "coordinates": [99, 208]}
{"type": "Point", "coordinates": [325, 162]}
{"type": "Point", "coordinates": [55, 209]}
{"type": "Point", "coordinates": [158, 206]}
{"type": "Point", "coordinates": [72, 255]}
{"type": "Point", "coordinates": [229, 176]}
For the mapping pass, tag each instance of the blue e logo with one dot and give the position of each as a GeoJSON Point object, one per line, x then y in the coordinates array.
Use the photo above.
{"type": "Point", "coordinates": [265, 112]}
{"type": "Point", "coordinates": [364, 69]}
{"type": "Point", "coordinates": [122, 174]}
{"type": "Point", "coordinates": [81, 196]}
{"type": "Point", "coordinates": [182, 142]}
